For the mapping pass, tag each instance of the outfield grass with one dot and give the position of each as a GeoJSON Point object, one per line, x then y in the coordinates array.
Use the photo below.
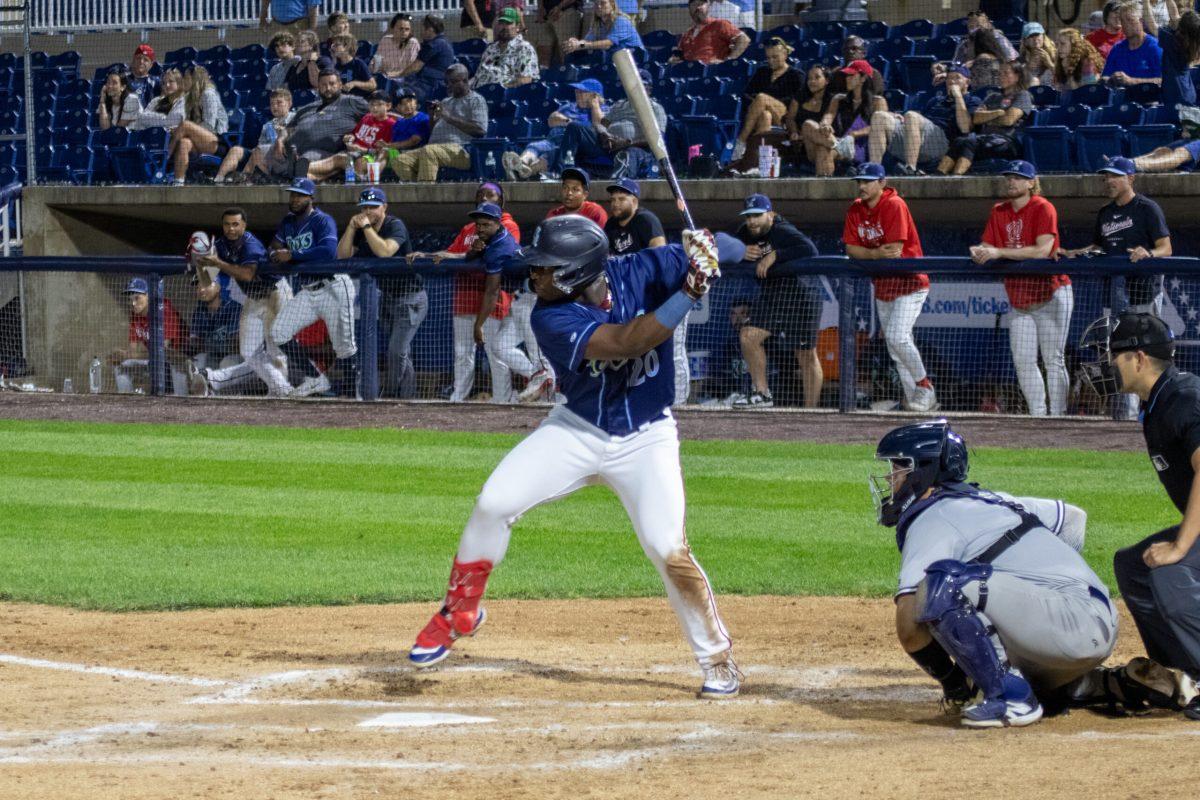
{"type": "Point", "coordinates": [171, 516]}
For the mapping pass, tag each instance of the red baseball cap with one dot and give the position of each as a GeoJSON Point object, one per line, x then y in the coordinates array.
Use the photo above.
{"type": "Point", "coordinates": [144, 50]}
{"type": "Point", "coordinates": [858, 67]}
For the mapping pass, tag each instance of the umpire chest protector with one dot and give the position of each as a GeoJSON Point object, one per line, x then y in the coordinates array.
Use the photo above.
{"type": "Point", "coordinates": [1171, 426]}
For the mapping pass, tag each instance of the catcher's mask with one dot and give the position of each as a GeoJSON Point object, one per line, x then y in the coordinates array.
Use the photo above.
{"type": "Point", "coordinates": [910, 460]}
{"type": "Point", "coordinates": [1125, 333]}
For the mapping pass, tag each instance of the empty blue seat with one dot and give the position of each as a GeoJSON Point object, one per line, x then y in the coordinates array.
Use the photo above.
{"type": "Point", "coordinates": [131, 164]}
{"type": "Point", "coordinates": [512, 129]}
{"type": "Point", "coordinates": [1143, 93]}
{"type": "Point", "coordinates": [707, 133]}
{"type": "Point", "coordinates": [184, 55]}
{"type": "Point", "coordinates": [955, 27]}
{"type": "Point", "coordinates": [940, 47]}
{"type": "Point", "coordinates": [492, 92]}
{"type": "Point", "coordinates": [660, 38]}
{"type": "Point", "coordinates": [470, 47]}
{"type": "Point", "coordinates": [563, 74]}
{"type": "Point", "coordinates": [1094, 94]}
{"type": "Point", "coordinates": [213, 55]}
{"type": "Point", "coordinates": [1144, 138]}
{"type": "Point", "coordinates": [891, 49]}
{"type": "Point", "coordinates": [679, 106]}
{"type": "Point", "coordinates": [528, 93]}
{"type": "Point", "coordinates": [913, 29]}
{"type": "Point", "coordinates": [1011, 26]}
{"type": "Point", "coordinates": [825, 31]}
{"type": "Point", "coordinates": [1044, 96]}
{"type": "Point", "coordinates": [365, 51]}
{"type": "Point", "coordinates": [1124, 115]}
{"type": "Point", "coordinates": [507, 109]}
{"type": "Point", "coordinates": [1097, 143]}
{"type": "Point", "coordinates": [872, 29]}
{"type": "Point", "coordinates": [1160, 115]}
{"type": "Point", "coordinates": [1070, 116]}
{"type": "Point", "coordinates": [1048, 148]}
{"type": "Point", "coordinates": [809, 50]}
{"type": "Point", "coordinates": [249, 52]}
{"type": "Point", "coordinates": [738, 69]}
{"type": "Point", "coordinates": [914, 72]}
{"type": "Point", "coordinates": [792, 34]}
{"type": "Point", "coordinates": [686, 70]}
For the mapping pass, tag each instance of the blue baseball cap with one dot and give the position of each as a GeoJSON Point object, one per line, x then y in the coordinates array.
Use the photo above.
{"type": "Point", "coordinates": [302, 186]}
{"type": "Point", "coordinates": [870, 172]}
{"type": "Point", "coordinates": [756, 204]}
{"type": "Point", "coordinates": [489, 210]}
{"type": "Point", "coordinates": [961, 69]}
{"type": "Point", "coordinates": [589, 85]}
{"type": "Point", "coordinates": [372, 198]}
{"type": "Point", "coordinates": [1118, 166]}
{"type": "Point", "coordinates": [578, 174]}
{"type": "Point", "coordinates": [627, 185]}
{"type": "Point", "coordinates": [1022, 169]}
{"type": "Point", "coordinates": [137, 286]}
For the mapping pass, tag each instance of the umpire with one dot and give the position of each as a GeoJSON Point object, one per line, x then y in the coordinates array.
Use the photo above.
{"type": "Point", "coordinates": [788, 306]}
{"type": "Point", "coordinates": [1159, 577]}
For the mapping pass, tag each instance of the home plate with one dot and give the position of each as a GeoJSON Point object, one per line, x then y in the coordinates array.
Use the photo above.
{"type": "Point", "coordinates": [420, 719]}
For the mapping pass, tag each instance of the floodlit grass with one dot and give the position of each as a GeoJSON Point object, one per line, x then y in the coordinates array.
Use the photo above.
{"type": "Point", "coordinates": [173, 516]}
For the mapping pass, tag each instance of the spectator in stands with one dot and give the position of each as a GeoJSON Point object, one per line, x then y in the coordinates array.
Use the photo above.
{"type": "Point", "coordinates": [356, 77]}
{"type": "Point", "coordinates": [213, 330]}
{"type": "Point", "coordinates": [140, 79]}
{"type": "Point", "coordinates": [1156, 14]}
{"type": "Point", "coordinates": [119, 105]}
{"type": "Point", "coordinates": [290, 12]}
{"type": "Point", "coordinates": [917, 138]}
{"type": "Point", "coordinates": [996, 124]}
{"type": "Point", "coordinates": [457, 120]}
{"type": "Point", "coordinates": [283, 45]}
{"type": "Point", "coordinates": [1130, 226]}
{"type": "Point", "coordinates": [573, 130]}
{"type": "Point", "coordinates": [1180, 43]}
{"type": "Point", "coordinates": [1106, 36]}
{"type": "Point", "coordinates": [788, 306]}
{"type": "Point", "coordinates": [411, 128]}
{"type": "Point", "coordinates": [205, 120]}
{"type": "Point", "coordinates": [510, 61]}
{"type": "Point", "coordinates": [317, 130]}
{"type": "Point", "coordinates": [805, 112]}
{"type": "Point", "coordinates": [1038, 55]}
{"type": "Point", "coordinates": [1025, 226]}
{"type": "Point", "coordinates": [477, 18]}
{"type": "Point", "coordinates": [1182, 155]}
{"type": "Point", "coordinates": [880, 226]}
{"type": "Point", "coordinates": [983, 50]}
{"type": "Point", "coordinates": [630, 227]}
{"type": "Point", "coordinates": [370, 136]}
{"type": "Point", "coordinates": [621, 136]}
{"type": "Point", "coordinates": [132, 363]}
{"type": "Point", "coordinates": [468, 296]}
{"type": "Point", "coordinates": [558, 21]}
{"type": "Point", "coordinates": [845, 129]}
{"type": "Point", "coordinates": [574, 196]}
{"type": "Point", "coordinates": [397, 49]}
{"type": "Point", "coordinates": [854, 48]}
{"type": "Point", "coordinates": [338, 24]}
{"type": "Point", "coordinates": [305, 70]}
{"type": "Point", "coordinates": [1079, 63]}
{"type": "Point", "coordinates": [739, 12]}
{"type": "Point", "coordinates": [265, 156]}
{"type": "Point", "coordinates": [709, 41]}
{"type": "Point", "coordinates": [168, 109]}
{"type": "Point", "coordinates": [1137, 59]}
{"type": "Point", "coordinates": [610, 30]}
{"type": "Point", "coordinates": [766, 97]}
{"type": "Point", "coordinates": [433, 60]}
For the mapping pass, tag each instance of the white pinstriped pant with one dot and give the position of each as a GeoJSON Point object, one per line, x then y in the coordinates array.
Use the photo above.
{"type": "Point", "coordinates": [333, 302]}
{"type": "Point", "coordinates": [566, 453]}
{"type": "Point", "coordinates": [504, 357]}
{"type": "Point", "coordinates": [1043, 328]}
{"type": "Point", "coordinates": [896, 320]}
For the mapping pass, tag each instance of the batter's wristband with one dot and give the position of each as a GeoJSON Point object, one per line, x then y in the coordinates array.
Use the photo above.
{"type": "Point", "coordinates": [673, 311]}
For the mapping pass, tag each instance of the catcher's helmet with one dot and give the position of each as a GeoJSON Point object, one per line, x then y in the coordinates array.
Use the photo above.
{"type": "Point", "coordinates": [1126, 332]}
{"type": "Point", "coordinates": [918, 456]}
{"type": "Point", "coordinates": [574, 246]}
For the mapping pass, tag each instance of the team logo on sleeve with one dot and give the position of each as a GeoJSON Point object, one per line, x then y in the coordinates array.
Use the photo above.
{"type": "Point", "coordinates": [1159, 463]}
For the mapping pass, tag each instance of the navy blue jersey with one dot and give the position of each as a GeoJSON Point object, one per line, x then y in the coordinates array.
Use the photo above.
{"type": "Point", "coordinates": [615, 396]}
{"type": "Point", "coordinates": [247, 251]}
{"type": "Point", "coordinates": [499, 250]}
{"type": "Point", "coordinates": [312, 237]}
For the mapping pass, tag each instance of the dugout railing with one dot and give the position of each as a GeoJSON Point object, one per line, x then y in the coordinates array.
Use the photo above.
{"type": "Point", "coordinates": [962, 332]}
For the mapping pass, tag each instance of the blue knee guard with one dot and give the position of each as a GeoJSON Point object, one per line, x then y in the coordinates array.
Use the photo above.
{"type": "Point", "coordinates": [957, 624]}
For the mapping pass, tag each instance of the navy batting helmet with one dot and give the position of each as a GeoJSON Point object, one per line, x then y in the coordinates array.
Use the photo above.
{"type": "Point", "coordinates": [918, 457]}
{"type": "Point", "coordinates": [574, 247]}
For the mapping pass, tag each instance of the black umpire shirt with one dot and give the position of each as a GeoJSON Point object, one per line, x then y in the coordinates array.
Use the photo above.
{"type": "Point", "coordinates": [634, 236]}
{"type": "Point", "coordinates": [392, 228]}
{"type": "Point", "coordinates": [1171, 425]}
{"type": "Point", "coordinates": [1138, 223]}
{"type": "Point", "coordinates": [788, 243]}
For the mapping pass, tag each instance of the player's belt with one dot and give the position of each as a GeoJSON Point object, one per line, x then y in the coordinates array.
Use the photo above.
{"type": "Point", "coordinates": [320, 283]}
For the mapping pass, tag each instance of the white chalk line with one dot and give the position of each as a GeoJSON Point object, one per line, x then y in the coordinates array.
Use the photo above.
{"type": "Point", "coordinates": [114, 672]}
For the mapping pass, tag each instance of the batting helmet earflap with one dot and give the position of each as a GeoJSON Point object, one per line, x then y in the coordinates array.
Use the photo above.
{"type": "Point", "coordinates": [574, 246]}
{"type": "Point", "coordinates": [928, 453]}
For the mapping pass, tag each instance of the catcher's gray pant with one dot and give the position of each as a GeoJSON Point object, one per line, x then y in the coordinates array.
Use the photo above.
{"type": "Point", "coordinates": [259, 351]}
{"type": "Point", "coordinates": [408, 312]}
{"type": "Point", "coordinates": [1043, 328]}
{"type": "Point", "coordinates": [331, 300]}
{"type": "Point", "coordinates": [1052, 635]}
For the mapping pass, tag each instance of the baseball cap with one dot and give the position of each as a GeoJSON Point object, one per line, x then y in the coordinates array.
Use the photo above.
{"type": "Point", "coordinates": [857, 67]}
{"type": "Point", "coordinates": [489, 210]}
{"type": "Point", "coordinates": [578, 174]}
{"type": "Point", "coordinates": [755, 204]}
{"type": "Point", "coordinates": [1095, 21]}
{"type": "Point", "coordinates": [1031, 29]}
{"type": "Point", "coordinates": [137, 286]}
{"type": "Point", "coordinates": [1118, 166]}
{"type": "Point", "coordinates": [1022, 169]}
{"type": "Point", "coordinates": [510, 15]}
{"type": "Point", "coordinates": [961, 69]}
{"type": "Point", "coordinates": [627, 185]}
{"type": "Point", "coordinates": [372, 198]}
{"type": "Point", "coordinates": [302, 186]}
{"type": "Point", "coordinates": [1144, 332]}
{"type": "Point", "coordinates": [144, 50]}
{"type": "Point", "coordinates": [870, 172]}
{"type": "Point", "coordinates": [589, 85]}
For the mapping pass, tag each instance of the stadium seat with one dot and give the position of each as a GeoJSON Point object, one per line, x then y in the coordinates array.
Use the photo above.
{"type": "Point", "coordinates": [897, 100]}
{"type": "Point", "coordinates": [1011, 26]}
{"type": "Point", "coordinates": [493, 93]}
{"type": "Point", "coordinates": [213, 55]}
{"type": "Point", "coordinates": [1070, 116]}
{"type": "Point", "coordinates": [873, 29]}
{"type": "Point", "coordinates": [708, 134]}
{"type": "Point", "coordinates": [686, 70]}
{"type": "Point", "coordinates": [792, 34]}
{"type": "Point", "coordinates": [914, 72]}
{"type": "Point", "coordinates": [678, 106]}
{"type": "Point", "coordinates": [1096, 143]}
{"type": "Point", "coordinates": [563, 74]}
{"type": "Point", "coordinates": [809, 50]}
{"type": "Point", "coordinates": [1143, 93]}
{"type": "Point", "coordinates": [528, 93]}
{"type": "Point", "coordinates": [68, 62]}
{"type": "Point", "coordinates": [184, 55]}
{"type": "Point", "coordinates": [940, 47]}
{"type": "Point", "coordinates": [113, 137]}
{"type": "Point", "coordinates": [249, 52]}
{"type": "Point", "coordinates": [365, 51]}
{"type": "Point", "coordinates": [1048, 147]}
{"type": "Point", "coordinates": [1124, 115]}
{"type": "Point", "coordinates": [1160, 115]}
{"type": "Point", "coordinates": [955, 27]}
{"type": "Point", "coordinates": [249, 67]}
{"type": "Point", "coordinates": [506, 109]}
{"type": "Point", "coordinates": [738, 69]}
{"type": "Point", "coordinates": [1094, 95]}
{"type": "Point", "coordinates": [131, 164]}
{"type": "Point", "coordinates": [660, 38]}
{"type": "Point", "coordinates": [470, 47]}
{"type": "Point", "coordinates": [1144, 138]}
{"type": "Point", "coordinates": [913, 29]}
{"type": "Point", "coordinates": [1044, 96]}
{"type": "Point", "coordinates": [825, 32]}
{"type": "Point", "coordinates": [890, 49]}
{"type": "Point", "coordinates": [512, 129]}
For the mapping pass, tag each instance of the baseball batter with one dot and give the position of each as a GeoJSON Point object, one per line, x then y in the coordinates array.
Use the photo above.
{"type": "Point", "coordinates": [993, 593]}
{"type": "Point", "coordinates": [605, 324]}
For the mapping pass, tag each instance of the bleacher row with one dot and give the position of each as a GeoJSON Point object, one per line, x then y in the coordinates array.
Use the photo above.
{"type": "Point", "coordinates": [1070, 131]}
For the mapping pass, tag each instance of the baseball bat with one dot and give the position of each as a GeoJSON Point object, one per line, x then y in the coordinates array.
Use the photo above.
{"type": "Point", "coordinates": [636, 92]}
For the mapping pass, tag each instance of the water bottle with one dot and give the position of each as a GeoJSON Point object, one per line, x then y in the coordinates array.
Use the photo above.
{"type": "Point", "coordinates": [568, 159]}
{"type": "Point", "coordinates": [350, 176]}
{"type": "Point", "coordinates": [95, 376]}
{"type": "Point", "coordinates": [490, 164]}
{"type": "Point", "coordinates": [68, 386]}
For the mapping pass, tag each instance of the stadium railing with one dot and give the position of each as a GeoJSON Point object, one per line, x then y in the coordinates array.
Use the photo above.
{"type": "Point", "coordinates": [962, 333]}
{"type": "Point", "coordinates": [10, 219]}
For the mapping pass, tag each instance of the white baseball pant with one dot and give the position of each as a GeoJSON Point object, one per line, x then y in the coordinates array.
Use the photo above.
{"type": "Point", "coordinates": [1043, 328]}
{"type": "Point", "coordinates": [333, 302]}
{"type": "Point", "coordinates": [522, 315]}
{"type": "Point", "coordinates": [233, 376]}
{"type": "Point", "coordinates": [138, 369]}
{"type": "Point", "coordinates": [258, 349]}
{"type": "Point", "coordinates": [506, 357]}
{"type": "Point", "coordinates": [896, 320]}
{"type": "Point", "coordinates": [683, 372]}
{"type": "Point", "coordinates": [565, 453]}
{"type": "Point", "coordinates": [464, 357]}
